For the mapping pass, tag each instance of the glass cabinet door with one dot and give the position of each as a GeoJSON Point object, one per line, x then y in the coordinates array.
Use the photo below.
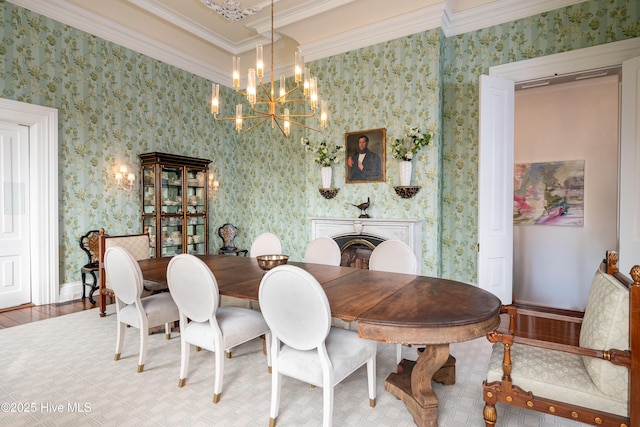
{"type": "Point", "coordinates": [148, 190]}
{"type": "Point", "coordinates": [171, 235]}
{"type": "Point", "coordinates": [196, 191]}
{"type": "Point", "coordinates": [196, 235]}
{"type": "Point", "coordinates": [149, 223]}
{"type": "Point", "coordinates": [171, 190]}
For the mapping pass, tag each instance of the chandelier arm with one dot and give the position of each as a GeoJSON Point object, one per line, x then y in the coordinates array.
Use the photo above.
{"type": "Point", "coordinates": [293, 122]}
{"type": "Point", "coordinates": [266, 92]}
{"type": "Point", "coordinates": [254, 125]}
{"type": "Point", "coordinates": [280, 116]}
{"type": "Point", "coordinates": [289, 92]}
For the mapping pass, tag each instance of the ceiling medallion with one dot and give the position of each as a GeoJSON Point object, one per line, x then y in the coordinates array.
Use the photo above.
{"type": "Point", "coordinates": [231, 10]}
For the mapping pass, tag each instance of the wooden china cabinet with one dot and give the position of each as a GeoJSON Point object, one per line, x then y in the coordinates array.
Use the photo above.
{"type": "Point", "coordinates": [175, 203]}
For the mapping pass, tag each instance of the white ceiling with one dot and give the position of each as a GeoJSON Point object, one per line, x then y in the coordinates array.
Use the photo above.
{"type": "Point", "coordinates": [191, 36]}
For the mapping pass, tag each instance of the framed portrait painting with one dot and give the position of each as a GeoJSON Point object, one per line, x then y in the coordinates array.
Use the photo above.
{"type": "Point", "coordinates": [365, 158]}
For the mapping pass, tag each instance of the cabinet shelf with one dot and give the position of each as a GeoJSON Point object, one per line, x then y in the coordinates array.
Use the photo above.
{"type": "Point", "coordinates": [175, 203]}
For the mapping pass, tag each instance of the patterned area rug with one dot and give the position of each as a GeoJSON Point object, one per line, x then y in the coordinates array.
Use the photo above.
{"type": "Point", "coordinates": [61, 371]}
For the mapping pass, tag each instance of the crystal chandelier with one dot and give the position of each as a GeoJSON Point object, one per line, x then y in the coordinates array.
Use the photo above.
{"type": "Point", "coordinates": [265, 106]}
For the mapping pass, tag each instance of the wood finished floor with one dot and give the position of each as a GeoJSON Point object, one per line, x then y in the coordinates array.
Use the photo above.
{"type": "Point", "coordinates": [32, 313]}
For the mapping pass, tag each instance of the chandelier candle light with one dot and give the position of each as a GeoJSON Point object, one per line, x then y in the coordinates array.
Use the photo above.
{"type": "Point", "coordinates": [265, 106]}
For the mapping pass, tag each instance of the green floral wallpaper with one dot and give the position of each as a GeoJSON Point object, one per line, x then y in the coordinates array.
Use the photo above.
{"type": "Point", "coordinates": [115, 103]}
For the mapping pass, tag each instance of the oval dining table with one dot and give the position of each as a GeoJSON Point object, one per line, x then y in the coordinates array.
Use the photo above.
{"type": "Point", "coordinates": [389, 307]}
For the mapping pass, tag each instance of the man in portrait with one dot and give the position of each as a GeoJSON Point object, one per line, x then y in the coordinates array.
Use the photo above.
{"type": "Point", "coordinates": [364, 164]}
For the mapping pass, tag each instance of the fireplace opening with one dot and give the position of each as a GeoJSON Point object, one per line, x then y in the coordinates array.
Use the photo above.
{"type": "Point", "coordinates": [356, 249]}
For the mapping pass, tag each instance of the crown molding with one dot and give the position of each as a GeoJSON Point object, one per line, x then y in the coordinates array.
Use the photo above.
{"type": "Point", "coordinates": [169, 15]}
{"type": "Point", "coordinates": [497, 13]}
{"type": "Point", "coordinates": [296, 14]}
{"type": "Point", "coordinates": [379, 32]}
{"type": "Point", "coordinates": [91, 23]}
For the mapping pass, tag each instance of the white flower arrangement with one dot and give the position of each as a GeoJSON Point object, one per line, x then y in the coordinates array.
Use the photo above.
{"type": "Point", "coordinates": [410, 144]}
{"type": "Point", "coordinates": [325, 153]}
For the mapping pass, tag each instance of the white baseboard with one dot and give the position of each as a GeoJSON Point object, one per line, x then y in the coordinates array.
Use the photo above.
{"type": "Point", "coordinates": [71, 291]}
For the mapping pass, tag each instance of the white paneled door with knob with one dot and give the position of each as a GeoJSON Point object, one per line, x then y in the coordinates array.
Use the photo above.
{"type": "Point", "coordinates": [15, 277]}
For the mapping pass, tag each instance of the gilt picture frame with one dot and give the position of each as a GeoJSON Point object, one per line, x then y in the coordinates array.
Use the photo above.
{"type": "Point", "coordinates": [365, 156]}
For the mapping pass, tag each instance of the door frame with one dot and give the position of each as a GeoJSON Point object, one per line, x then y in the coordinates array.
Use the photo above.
{"type": "Point", "coordinates": [601, 56]}
{"type": "Point", "coordinates": [43, 195]}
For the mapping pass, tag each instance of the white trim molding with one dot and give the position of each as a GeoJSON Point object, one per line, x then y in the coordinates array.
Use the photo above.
{"type": "Point", "coordinates": [589, 58]}
{"type": "Point", "coordinates": [43, 197]}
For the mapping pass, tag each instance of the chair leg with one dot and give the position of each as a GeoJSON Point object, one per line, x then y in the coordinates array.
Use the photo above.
{"type": "Point", "coordinates": [185, 348]}
{"type": "Point", "coordinates": [119, 340]}
{"type": "Point", "coordinates": [267, 349]}
{"type": "Point", "coordinates": [490, 415]}
{"type": "Point", "coordinates": [84, 283]}
{"type": "Point", "coordinates": [398, 353]}
{"type": "Point", "coordinates": [94, 288]}
{"type": "Point", "coordinates": [217, 387]}
{"type": "Point", "coordinates": [327, 405]}
{"type": "Point", "coordinates": [144, 335]}
{"type": "Point", "coordinates": [371, 379]}
{"type": "Point", "coordinates": [276, 381]}
{"type": "Point", "coordinates": [167, 331]}
{"type": "Point", "coordinates": [103, 304]}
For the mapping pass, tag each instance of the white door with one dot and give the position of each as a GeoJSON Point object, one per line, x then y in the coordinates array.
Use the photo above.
{"type": "Point", "coordinates": [495, 187]}
{"type": "Point", "coordinates": [630, 166]}
{"type": "Point", "coordinates": [15, 277]}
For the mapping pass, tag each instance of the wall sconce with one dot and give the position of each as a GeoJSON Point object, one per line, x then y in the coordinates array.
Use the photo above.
{"type": "Point", "coordinates": [214, 184]}
{"type": "Point", "coordinates": [125, 180]}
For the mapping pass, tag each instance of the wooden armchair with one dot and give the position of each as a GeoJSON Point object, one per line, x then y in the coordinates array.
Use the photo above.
{"type": "Point", "coordinates": [597, 383]}
{"type": "Point", "coordinates": [139, 246]}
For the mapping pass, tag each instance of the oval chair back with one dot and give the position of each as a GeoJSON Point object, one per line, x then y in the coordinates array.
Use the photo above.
{"type": "Point", "coordinates": [193, 286]}
{"type": "Point", "coordinates": [295, 307]}
{"type": "Point", "coordinates": [323, 250]}
{"type": "Point", "coordinates": [265, 244]}
{"type": "Point", "coordinates": [124, 274]}
{"type": "Point", "coordinates": [393, 256]}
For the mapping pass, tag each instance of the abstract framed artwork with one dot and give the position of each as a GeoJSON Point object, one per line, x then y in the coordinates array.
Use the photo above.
{"type": "Point", "coordinates": [550, 193]}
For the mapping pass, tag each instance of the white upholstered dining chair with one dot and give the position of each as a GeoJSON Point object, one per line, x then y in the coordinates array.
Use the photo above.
{"type": "Point", "coordinates": [203, 323]}
{"type": "Point", "coordinates": [265, 244]}
{"type": "Point", "coordinates": [394, 256]}
{"type": "Point", "coordinates": [304, 345]}
{"type": "Point", "coordinates": [125, 278]}
{"type": "Point", "coordinates": [323, 250]}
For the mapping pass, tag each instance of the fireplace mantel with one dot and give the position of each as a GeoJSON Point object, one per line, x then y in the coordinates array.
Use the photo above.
{"type": "Point", "coordinates": [407, 230]}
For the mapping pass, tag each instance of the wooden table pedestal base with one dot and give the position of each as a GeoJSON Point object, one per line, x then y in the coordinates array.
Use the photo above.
{"type": "Point", "coordinates": [412, 382]}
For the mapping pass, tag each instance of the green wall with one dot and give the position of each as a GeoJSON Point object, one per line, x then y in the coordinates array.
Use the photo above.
{"type": "Point", "coordinates": [115, 104]}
